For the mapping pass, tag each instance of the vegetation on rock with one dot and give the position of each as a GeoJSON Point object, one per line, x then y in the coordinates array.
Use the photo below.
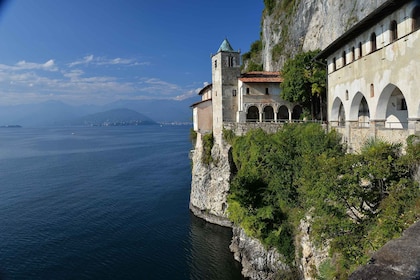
{"type": "Point", "coordinates": [357, 201]}
{"type": "Point", "coordinates": [208, 142]}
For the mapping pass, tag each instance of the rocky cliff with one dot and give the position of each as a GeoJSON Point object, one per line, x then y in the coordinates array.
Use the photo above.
{"type": "Point", "coordinates": [290, 26]}
{"type": "Point", "coordinates": [210, 184]}
{"type": "Point", "coordinates": [397, 260]}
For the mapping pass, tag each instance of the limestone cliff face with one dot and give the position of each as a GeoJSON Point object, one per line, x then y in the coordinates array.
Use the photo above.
{"type": "Point", "coordinates": [257, 262]}
{"type": "Point", "coordinates": [308, 25]}
{"type": "Point", "coordinates": [210, 185]}
{"type": "Point", "coordinates": [309, 257]}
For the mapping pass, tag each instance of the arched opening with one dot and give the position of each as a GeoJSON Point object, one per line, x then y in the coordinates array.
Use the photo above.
{"type": "Point", "coordinates": [297, 112]}
{"type": "Point", "coordinates": [415, 17]}
{"type": "Point", "coordinates": [341, 116]}
{"type": "Point", "coordinates": [353, 58]}
{"type": "Point", "coordinates": [337, 112]}
{"type": "Point", "coordinates": [363, 114]}
{"type": "Point", "coordinates": [252, 114]}
{"type": "Point", "coordinates": [268, 114]}
{"type": "Point", "coordinates": [360, 50]}
{"type": "Point", "coordinates": [283, 114]}
{"type": "Point", "coordinates": [373, 46]}
{"type": "Point", "coordinates": [393, 28]}
{"type": "Point", "coordinates": [392, 108]}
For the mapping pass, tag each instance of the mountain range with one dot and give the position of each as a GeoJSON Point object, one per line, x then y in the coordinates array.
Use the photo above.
{"type": "Point", "coordinates": [59, 113]}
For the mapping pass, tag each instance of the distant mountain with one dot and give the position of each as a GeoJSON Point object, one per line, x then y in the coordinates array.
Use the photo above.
{"type": "Point", "coordinates": [59, 113]}
{"type": "Point", "coordinates": [159, 110]}
{"type": "Point", "coordinates": [115, 117]}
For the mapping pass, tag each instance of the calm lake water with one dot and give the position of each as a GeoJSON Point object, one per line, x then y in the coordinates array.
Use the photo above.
{"type": "Point", "coordinates": [104, 203]}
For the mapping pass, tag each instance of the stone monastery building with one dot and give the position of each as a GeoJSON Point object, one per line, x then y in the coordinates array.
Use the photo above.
{"type": "Point", "coordinates": [373, 83]}
{"type": "Point", "coordinates": [233, 97]}
{"type": "Point", "coordinates": [373, 76]}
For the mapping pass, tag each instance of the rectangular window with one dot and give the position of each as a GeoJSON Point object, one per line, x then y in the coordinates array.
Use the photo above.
{"type": "Point", "coordinates": [233, 92]}
{"type": "Point", "coordinates": [247, 90]}
{"type": "Point", "coordinates": [266, 90]}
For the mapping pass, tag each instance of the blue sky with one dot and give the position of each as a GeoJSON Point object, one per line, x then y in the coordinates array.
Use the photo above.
{"type": "Point", "coordinates": [99, 51]}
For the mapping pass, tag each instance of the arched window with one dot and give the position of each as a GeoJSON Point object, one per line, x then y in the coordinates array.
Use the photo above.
{"type": "Point", "coordinates": [353, 58]}
{"type": "Point", "coordinates": [393, 28]}
{"type": "Point", "coordinates": [343, 55]}
{"type": "Point", "coordinates": [360, 49]}
{"type": "Point", "coordinates": [416, 18]}
{"type": "Point", "coordinates": [373, 42]}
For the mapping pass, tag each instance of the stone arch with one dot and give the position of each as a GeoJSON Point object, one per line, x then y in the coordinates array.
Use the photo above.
{"type": "Point", "coordinates": [337, 111]}
{"type": "Point", "coordinates": [359, 109]}
{"type": "Point", "coordinates": [252, 114]}
{"type": "Point", "coordinates": [268, 113]}
{"type": "Point", "coordinates": [283, 113]}
{"type": "Point", "coordinates": [363, 115]}
{"type": "Point", "coordinates": [392, 107]}
{"type": "Point", "coordinates": [297, 112]}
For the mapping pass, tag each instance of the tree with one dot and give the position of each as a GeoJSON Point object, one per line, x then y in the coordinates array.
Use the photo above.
{"type": "Point", "coordinates": [304, 82]}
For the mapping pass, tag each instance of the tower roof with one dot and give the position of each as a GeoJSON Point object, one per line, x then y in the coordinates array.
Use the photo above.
{"type": "Point", "coordinates": [225, 47]}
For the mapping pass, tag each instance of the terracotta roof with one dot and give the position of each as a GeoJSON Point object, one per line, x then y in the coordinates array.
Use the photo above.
{"type": "Point", "coordinates": [261, 77]}
{"type": "Point", "coordinates": [204, 89]}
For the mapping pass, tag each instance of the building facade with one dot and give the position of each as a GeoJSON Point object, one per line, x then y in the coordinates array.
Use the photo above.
{"type": "Point", "coordinates": [373, 89]}
{"type": "Point", "coordinates": [233, 97]}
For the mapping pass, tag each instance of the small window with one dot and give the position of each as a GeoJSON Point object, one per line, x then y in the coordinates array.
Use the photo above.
{"type": "Point", "coordinates": [343, 55]}
{"type": "Point", "coordinates": [215, 63]}
{"type": "Point", "coordinates": [373, 46]}
{"type": "Point", "coordinates": [247, 90]}
{"type": "Point", "coordinates": [352, 55]}
{"type": "Point", "coordinates": [372, 90]}
{"type": "Point", "coordinates": [334, 64]}
{"type": "Point", "coordinates": [360, 49]}
{"type": "Point", "coordinates": [416, 18]}
{"type": "Point", "coordinates": [266, 90]}
{"type": "Point", "coordinates": [347, 95]}
{"type": "Point", "coordinates": [233, 92]}
{"type": "Point", "coordinates": [393, 28]}
{"type": "Point", "coordinates": [230, 61]}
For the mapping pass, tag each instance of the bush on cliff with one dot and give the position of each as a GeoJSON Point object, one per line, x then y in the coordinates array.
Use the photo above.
{"type": "Point", "coordinates": [358, 201]}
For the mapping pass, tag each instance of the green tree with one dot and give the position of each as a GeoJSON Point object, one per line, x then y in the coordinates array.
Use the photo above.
{"type": "Point", "coordinates": [305, 82]}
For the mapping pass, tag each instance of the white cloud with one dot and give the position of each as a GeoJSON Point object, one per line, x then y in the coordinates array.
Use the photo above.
{"type": "Point", "coordinates": [24, 65]}
{"type": "Point", "coordinates": [91, 59]}
{"type": "Point", "coordinates": [85, 60]}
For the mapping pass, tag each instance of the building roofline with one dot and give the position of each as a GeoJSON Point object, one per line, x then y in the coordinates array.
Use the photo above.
{"type": "Point", "coordinates": [200, 102]}
{"type": "Point", "coordinates": [377, 15]}
{"type": "Point", "coordinates": [261, 77]}
{"type": "Point", "coordinates": [201, 92]}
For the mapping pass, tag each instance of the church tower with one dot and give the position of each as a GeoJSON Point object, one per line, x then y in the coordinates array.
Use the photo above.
{"type": "Point", "coordinates": [225, 73]}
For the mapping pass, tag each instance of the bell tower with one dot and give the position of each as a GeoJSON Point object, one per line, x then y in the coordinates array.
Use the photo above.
{"type": "Point", "coordinates": [225, 72]}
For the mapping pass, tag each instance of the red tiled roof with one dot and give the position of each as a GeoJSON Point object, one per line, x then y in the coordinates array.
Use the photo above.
{"type": "Point", "coordinates": [261, 77]}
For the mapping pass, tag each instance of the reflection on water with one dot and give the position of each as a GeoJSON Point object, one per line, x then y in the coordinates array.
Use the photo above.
{"type": "Point", "coordinates": [210, 257]}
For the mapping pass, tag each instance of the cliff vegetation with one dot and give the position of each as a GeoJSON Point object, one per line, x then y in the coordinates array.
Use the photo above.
{"type": "Point", "coordinates": [357, 201]}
